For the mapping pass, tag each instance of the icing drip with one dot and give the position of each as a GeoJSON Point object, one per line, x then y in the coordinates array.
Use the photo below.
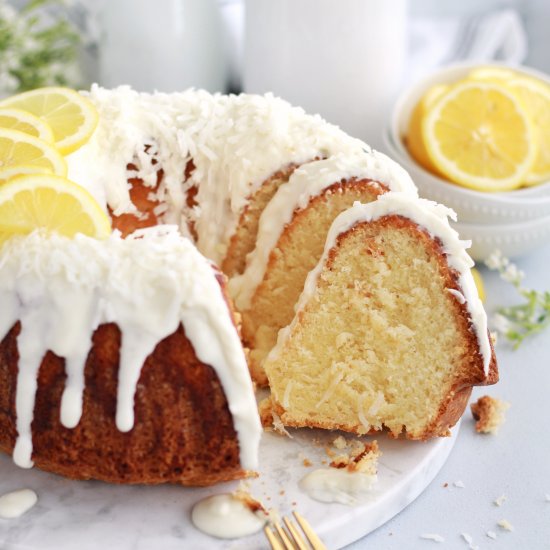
{"type": "Point", "coordinates": [306, 182]}
{"type": "Point", "coordinates": [62, 290]}
{"type": "Point", "coordinates": [433, 218]}
{"type": "Point", "coordinates": [234, 142]}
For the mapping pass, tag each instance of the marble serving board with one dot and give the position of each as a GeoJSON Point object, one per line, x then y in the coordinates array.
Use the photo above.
{"type": "Point", "coordinates": [91, 515]}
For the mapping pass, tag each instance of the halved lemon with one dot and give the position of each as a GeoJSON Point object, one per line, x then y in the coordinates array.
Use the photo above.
{"type": "Point", "coordinates": [16, 119]}
{"type": "Point", "coordinates": [71, 116]}
{"type": "Point", "coordinates": [18, 148]}
{"type": "Point", "coordinates": [50, 203]}
{"type": "Point", "coordinates": [479, 135]}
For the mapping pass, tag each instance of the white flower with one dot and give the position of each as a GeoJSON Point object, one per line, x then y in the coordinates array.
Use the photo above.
{"type": "Point", "coordinates": [501, 324]}
{"type": "Point", "coordinates": [512, 274]}
{"type": "Point", "coordinates": [496, 260]}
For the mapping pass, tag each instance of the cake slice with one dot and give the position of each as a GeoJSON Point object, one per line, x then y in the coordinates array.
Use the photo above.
{"type": "Point", "coordinates": [389, 331]}
{"type": "Point", "coordinates": [291, 236]}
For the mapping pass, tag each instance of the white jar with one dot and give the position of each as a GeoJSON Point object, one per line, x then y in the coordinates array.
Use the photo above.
{"type": "Point", "coordinates": [166, 45]}
{"type": "Point", "coordinates": [343, 59]}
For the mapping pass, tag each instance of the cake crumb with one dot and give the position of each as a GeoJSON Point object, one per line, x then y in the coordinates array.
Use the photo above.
{"type": "Point", "coordinates": [445, 485]}
{"type": "Point", "coordinates": [365, 462]}
{"type": "Point", "coordinates": [242, 493]}
{"type": "Point", "coordinates": [488, 412]}
{"type": "Point", "coordinates": [270, 419]}
{"type": "Point", "coordinates": [340, 443]}
{"type": "Point", "coordinates": [307, 463]}
{"type": "Point", "coordinates": [500, 500]}
{"type": "Point", "coordinates": [432, 536]}
{"type": "Point", "coordinates": [459, 484]}
{"type": "Point", "coordinates": [491, 535]}
{"type": "Point", "coordinates": [505, 524]}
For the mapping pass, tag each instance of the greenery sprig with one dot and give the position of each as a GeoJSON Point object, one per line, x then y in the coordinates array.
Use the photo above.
{"type": "Point", "coordinates": [36, 49]}
{"type": "Point", "coordinates": [531, 316]}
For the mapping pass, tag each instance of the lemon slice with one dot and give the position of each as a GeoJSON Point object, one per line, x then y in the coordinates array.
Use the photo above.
{"type": "Point", "coordinates": [18, 148]}
{"type": "Point", "coordinates": [16, 119]}
{"type": "Point", "coordinates": [19, 170]}
{"type": "Point", "coordinates": [71, 116]}
{"type": "Point", "coordinates": [535, 96]}
{"type": "Point", "coordinates": [479, 135]}
{"type": "Point", "coordinates": [495, 74]}
{"type": "Point", "coordinates": [414, 138]}
{"type": "Point", "coordinates": [50, 203]}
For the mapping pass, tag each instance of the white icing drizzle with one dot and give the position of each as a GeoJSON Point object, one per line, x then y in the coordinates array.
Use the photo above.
{"type": "Point", "coordinates": [306, 182]}
{"type": "Point", "coordinates": [337, 485]}
{"type": "Point", "coordinates": [62, 290]}
{"type": "Point", "coordinates": [17, 503]}
{"type": "Point", "coordinates": [235, 143]}
{"type": "Point", "coordinates": [226, 517]}
{"type": "Point", "coordinates": [433, 218]}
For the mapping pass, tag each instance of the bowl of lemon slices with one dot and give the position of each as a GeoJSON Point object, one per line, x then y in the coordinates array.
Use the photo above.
{"type": "Point", "coordinates": [477, 138]}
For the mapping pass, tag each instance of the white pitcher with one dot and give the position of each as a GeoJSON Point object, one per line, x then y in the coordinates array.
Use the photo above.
{"type": "Point", "coordinates": [165, 45]}
{"type": "Point", "coordinates": [343, 59]}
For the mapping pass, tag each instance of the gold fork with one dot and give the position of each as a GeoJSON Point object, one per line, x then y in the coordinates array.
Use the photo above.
{"type": "Point", "coordinates": [291, 539]}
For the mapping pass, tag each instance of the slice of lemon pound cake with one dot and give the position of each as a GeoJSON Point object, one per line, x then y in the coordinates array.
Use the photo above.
{"type": "Point", "coordinates": [291, 236]}
{"type": "Point", "coordinates": [389, 332]}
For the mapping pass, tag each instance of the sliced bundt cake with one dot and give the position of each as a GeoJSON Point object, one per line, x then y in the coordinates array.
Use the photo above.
{"type": "Point", "coordinates": [389, 331]}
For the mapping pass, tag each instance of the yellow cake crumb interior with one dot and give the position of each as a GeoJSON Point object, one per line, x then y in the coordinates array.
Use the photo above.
{"type": "Point", "coordinates": [297, 253]}
{"type": "Point", "coordinates": [379, 344]}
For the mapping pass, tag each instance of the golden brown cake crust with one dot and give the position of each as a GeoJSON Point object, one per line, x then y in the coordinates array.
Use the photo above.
{"type": "Point", "coordinates": [183, 430]}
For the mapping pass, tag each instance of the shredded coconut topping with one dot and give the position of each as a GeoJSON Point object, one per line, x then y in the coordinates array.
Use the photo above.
{"type": "Point", "coordinates": [234, 142]}
{"type": "Point", "coordinates": [432, 536]}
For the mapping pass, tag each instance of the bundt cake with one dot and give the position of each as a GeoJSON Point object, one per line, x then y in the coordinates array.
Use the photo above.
{"type": "Point", "coordinates": [389, 331]}
{"type": "Point", "coordinates": [121, 360]}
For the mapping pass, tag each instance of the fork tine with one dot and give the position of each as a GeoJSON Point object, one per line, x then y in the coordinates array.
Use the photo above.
{"type": "Point", "coordinates": [273, 541]}
{"type": "Point", "coordinates": [312, 537]}
{"type": "Point", "coordinates": [290, 525]}
{"type": "Point", "coordinates": [287, 542]}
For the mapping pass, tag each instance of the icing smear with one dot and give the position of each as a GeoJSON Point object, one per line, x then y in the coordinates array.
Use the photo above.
{"type": "Point", "coordinates": [433, 218]}
{"type": "Point", "coordinates": [337, 485]}
{"type": "Point", "coordinates": [17, 503]}
{"type": "Point", "coordinates": [227, 516]}
{"type": "Point", "coordinates": [63, 289]}
{"type": "Point", "coordinates": [306, 182]}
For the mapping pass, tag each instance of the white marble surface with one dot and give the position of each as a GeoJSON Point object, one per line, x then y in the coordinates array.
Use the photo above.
{"type": "Point", "coordinates": [516, 462]}
{"type": "Point", "coordinates": [93, 515]}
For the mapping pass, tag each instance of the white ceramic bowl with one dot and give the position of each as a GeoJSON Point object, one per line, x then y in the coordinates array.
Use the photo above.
{"type": "Point", "coordinates": [512, 239]}
{"type": "Point", "coordinates": [471, 206]}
